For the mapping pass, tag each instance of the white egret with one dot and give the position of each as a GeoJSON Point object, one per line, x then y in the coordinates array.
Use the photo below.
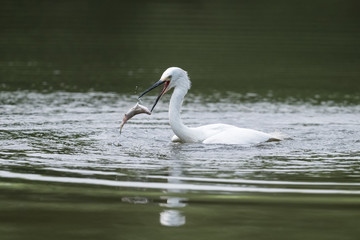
{"type": "Point", "coordinates": [178, 79]}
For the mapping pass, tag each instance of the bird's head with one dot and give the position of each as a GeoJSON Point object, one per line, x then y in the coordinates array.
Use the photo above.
{"type": "Point", "coordinates": [171, 78]}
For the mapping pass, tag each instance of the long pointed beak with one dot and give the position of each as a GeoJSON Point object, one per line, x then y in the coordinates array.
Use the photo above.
{"type": "Point", "coordinates": [158, 83]}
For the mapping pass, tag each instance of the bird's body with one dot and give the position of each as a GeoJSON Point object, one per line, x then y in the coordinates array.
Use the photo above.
{"type": "Point", "coordinates": [211, 134]}
{"type": "Point", "coordinates": [227, 134]}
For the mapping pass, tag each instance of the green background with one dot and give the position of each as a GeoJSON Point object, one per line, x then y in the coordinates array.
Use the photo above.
{"type": "Point", "coordinates": [289, 47]}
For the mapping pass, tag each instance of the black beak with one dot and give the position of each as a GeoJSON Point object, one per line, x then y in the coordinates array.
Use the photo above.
{"type": "Point", "coordinates": [158, 83]}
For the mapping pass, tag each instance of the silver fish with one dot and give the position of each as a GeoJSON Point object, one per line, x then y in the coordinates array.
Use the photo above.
{"type": "Point", "coordinates": [137, 109]}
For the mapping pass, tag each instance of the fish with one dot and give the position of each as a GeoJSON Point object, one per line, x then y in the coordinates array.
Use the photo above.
{"type": "Point", "coordinates": [137, 109]}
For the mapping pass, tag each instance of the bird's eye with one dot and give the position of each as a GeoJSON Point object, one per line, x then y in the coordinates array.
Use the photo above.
{"type": "Point", "coordinates": [169, 77]}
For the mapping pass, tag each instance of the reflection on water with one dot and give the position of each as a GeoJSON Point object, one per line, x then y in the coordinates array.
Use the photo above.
{"type": "Point", "coordinates": [173, 202]}
{"type": "Point", "coordinates": [172, 218]}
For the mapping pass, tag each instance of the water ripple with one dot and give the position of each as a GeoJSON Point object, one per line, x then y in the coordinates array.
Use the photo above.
{"type": "Point", "coordinates": [171, 186]}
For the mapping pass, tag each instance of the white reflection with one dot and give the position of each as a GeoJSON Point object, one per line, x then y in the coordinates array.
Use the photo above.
{"type": "Point", "coordinates": [172, 218]}
{"type": "Point", "coordinates": [173, 202]}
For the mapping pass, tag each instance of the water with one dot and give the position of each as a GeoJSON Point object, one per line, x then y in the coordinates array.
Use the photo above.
{"type": "Point", "coordinates": [69, 70]}
{"type": "Point", "coordinates": [251, 46]}
{"type": "Point", "coordinates": [67, 173]}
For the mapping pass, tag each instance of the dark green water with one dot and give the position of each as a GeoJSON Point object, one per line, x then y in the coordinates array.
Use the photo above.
{"type": "Point", "coordinates": [295, 46]}
{"type": "Point", "coordinates": [69, 70]}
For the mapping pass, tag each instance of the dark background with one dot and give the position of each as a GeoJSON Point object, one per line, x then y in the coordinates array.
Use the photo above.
{"type": "Point", "coordinates": [287, 47]}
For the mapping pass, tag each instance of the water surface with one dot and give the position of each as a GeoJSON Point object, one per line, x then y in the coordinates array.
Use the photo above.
{"type": "Point", "coordinates": [66, 172]}
{"type": "Point", "coordinates": [69, 70]}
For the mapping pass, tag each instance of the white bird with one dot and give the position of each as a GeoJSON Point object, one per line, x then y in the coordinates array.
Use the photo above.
{"type": "Point", "coordinates": [178, 79]}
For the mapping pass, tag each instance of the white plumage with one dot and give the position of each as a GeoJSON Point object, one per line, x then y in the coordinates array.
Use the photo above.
{"type": "Point", "coordinates": [178, 79]}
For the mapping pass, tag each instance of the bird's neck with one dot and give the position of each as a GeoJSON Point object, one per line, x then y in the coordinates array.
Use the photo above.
{"type": "Point", "coordinates": [185, 133]}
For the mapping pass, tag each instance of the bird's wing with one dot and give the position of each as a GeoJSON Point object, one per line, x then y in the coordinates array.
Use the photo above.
{"type": "Point", "coordinates": [237, 135]}
{"type": "Point", "coordinates": [213, 129]}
